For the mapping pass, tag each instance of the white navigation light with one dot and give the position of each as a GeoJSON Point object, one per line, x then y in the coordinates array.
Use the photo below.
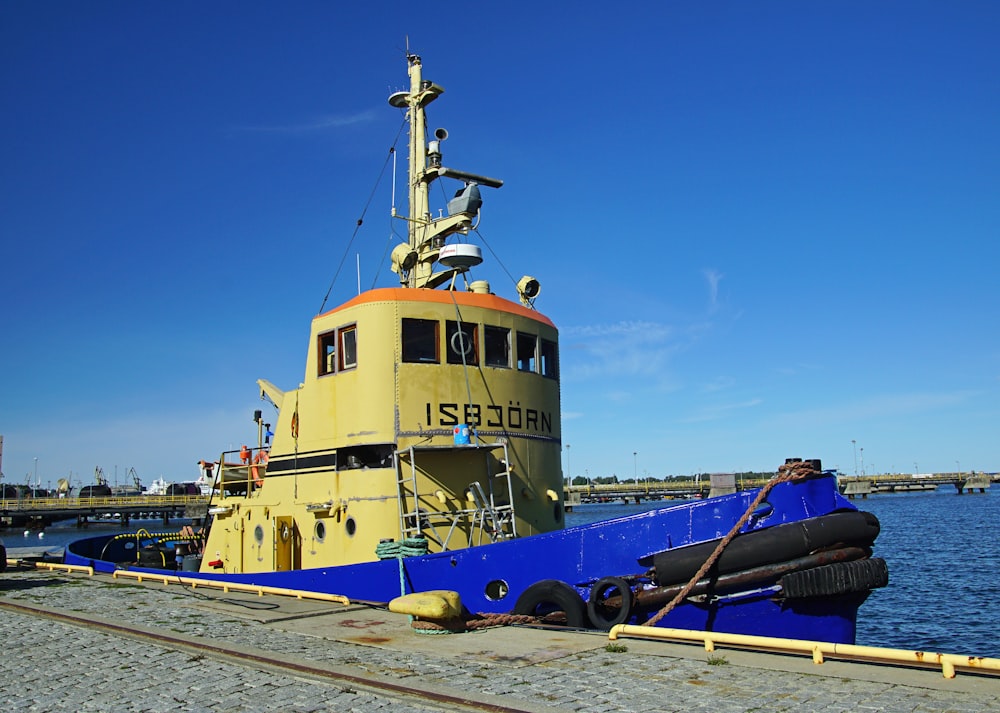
{"type": "Point", "coordinates": [404, 258]}
{"type": "Point", "coordinates": [460, 255]}
{"type": "Point", "coordinates": [528, 289]}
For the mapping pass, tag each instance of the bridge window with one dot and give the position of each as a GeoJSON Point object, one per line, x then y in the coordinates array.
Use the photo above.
{"type": "Point", "coordinates": [420, 341]}
{"type": "Point", "coordinates": [327, 353]}
{"type": "Point", "coordinates": [332, 359]}
{"type": "Point", "coordinates": [497, 345]}
{"type": "Point", "coordinates": [461, 344]}
{"type": "Point", "coordinates": [550, 360]}
{"type": "Point", "coordinates": [527, 351]}
{"type": "Point", "coordinates": [349, 347]}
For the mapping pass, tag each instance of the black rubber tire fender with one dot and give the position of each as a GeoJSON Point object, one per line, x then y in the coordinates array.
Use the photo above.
{"type": "Point", "coordinates": [838, 578]}
{"type": "Point", "coordinates": [767, 546]}
{"type": "Point", "coordinates": [550, 595]}
{"type": "Point", "coordinates": [601, 615]}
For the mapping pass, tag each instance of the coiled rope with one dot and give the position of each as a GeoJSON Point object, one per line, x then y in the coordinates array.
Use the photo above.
{"type": "Point", "coordinates": [797, 470]}
{"type": "Point", "coordinates": [409, 547]}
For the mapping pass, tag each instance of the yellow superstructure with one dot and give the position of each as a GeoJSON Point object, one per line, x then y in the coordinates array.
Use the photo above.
{"type": "Point", "coordinates": [425, 415]}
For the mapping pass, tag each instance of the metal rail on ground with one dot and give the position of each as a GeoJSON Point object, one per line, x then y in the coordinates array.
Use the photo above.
{"type": "Point", "coordinates": [378, 684]}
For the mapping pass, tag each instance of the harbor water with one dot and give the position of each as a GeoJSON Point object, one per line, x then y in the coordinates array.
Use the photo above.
{"type": "Point", "coordinates": [943, 551]}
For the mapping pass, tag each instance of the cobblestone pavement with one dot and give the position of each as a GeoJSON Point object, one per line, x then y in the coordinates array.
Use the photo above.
{"type": "Point", "coordinates": [55, 666]}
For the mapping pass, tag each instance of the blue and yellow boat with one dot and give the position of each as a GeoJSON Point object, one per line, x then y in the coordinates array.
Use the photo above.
{"type": "Point", "coordinates": [422, 452]}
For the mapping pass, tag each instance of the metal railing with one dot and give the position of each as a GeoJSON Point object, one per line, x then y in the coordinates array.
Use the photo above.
{"type": "Point", "coordinates": [36, 505]}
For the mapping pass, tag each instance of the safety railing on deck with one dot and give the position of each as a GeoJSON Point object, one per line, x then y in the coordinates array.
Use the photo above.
{"type": "Point", "coordinates": [104, 503]}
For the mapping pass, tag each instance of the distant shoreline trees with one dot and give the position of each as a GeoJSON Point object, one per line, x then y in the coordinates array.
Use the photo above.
{"type": "Point", "coordinates": [615, 480]}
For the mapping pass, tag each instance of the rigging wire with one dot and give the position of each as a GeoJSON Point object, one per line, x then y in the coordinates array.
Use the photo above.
{"type": "Point", "coordinates": [357, 227]}
{"type": "Point", "coordinates": [460, 332]}
{"type": "Point", "coordinates": [392, 224]}
{"type": "Point", "coordinates": [495, 257]}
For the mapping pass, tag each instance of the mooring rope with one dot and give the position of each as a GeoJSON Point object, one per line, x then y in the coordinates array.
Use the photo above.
{"type": "Point", "coordinates": [797, 470]}
{"type": "Point", "coordinates": [787, 472]}
{"type": "Point", "coordinates": [471, 623]}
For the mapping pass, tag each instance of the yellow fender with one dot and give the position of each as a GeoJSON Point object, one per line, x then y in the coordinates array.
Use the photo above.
{"type": "Point", "coordinates": [436, 604]}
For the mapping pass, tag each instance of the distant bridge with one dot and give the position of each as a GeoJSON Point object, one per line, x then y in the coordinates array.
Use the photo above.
{"type": "Point", "coordinates": [853, 485]}
{"type": "Point", "coordinates": [41, 512]}
{"type": "Point", "coordinates": [651, 490]}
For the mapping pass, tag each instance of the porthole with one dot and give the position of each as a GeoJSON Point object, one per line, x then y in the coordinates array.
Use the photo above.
{"type": "Point", "coordinates": [350, 526]}
{"type": "Point", "coordinates": [496, 590]}
{"type": "Point", "coordinates": [258, 534]}
{"type": "Point", "coordinates": [319, 531]}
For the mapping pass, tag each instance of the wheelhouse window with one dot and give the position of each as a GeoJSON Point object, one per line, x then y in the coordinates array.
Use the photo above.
{"type": "Point", "coordinates": [338, 350]}
{"type": "Point", "coordinates": [420, 341]}
{"type": "Point", "coordinates": [527, 351]}
{"type": "Point", "coordinates": [327, 353]}
{"type": "Point", "coordinates": [497, 346]}
{"type": "Point", "coordinates": [349, 347]}
{"type": "Point", "coordinates": [550, 359]}
{"type": "Point", "coordinates": [461, 343]}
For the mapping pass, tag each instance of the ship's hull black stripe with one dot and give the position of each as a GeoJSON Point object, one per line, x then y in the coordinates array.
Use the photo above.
{"type": "Point", "coordinates": [278, 464]}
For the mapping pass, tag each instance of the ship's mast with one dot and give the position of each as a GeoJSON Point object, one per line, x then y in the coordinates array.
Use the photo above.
{"type": "Point", "coordinates": [426, 236]}
{"type": "Point", "coordinates": [420, 96]}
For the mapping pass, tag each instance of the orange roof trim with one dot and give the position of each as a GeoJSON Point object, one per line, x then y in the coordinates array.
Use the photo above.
{"type": "Point", "coordinates": [469, 299]}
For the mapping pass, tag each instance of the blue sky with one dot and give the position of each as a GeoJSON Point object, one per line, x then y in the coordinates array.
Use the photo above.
{"type": "Point", "coordinates": [765, 229]}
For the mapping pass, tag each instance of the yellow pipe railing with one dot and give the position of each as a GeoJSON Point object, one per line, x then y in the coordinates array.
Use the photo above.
{"type": "Point", "coordinates": [195, 582]}
{"type": "Point", "coordinates": [257, 589]}
{"type": "Point", "coordinates": [51, 566]}
{"type": "Point", "coordinates": [818, 649]}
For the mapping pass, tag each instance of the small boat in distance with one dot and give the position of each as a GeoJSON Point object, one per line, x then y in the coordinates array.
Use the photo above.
{"type": "Point", "coordinates": [157, 487]}
{"type": "Point", "coordinates": [422, 451]}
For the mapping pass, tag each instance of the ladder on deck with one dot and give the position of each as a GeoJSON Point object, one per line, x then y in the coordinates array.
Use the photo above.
{"type": "Point", "coordinates": [487, 517]}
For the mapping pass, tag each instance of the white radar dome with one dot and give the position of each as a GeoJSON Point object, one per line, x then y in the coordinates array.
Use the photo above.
{"type": "Point", "coordinates": [460, 255]}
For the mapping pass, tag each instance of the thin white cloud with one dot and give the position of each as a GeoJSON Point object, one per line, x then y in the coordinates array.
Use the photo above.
{"type": "Point", "coordinates": [623, 348]}
{"type": "Point", "coordinates": [878, 406]}
{"type": "Point", "coordinates": [322, 123]}
{"type": "Point", "coordinates": [715, 412]}
{"type": "Point", "coordinates": [713, 277]}
{"type": "Point", "coordinates": [719, 383]}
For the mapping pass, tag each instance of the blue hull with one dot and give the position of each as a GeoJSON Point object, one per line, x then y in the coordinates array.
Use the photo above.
{"type": "Point", "coordinates": [580, 556]}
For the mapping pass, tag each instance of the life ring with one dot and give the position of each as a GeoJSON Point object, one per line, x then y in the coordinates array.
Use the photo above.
{"type": "Point", "coordinates": [260, 459]}
{"type": "Point", "coordinates": [459, 340]}
{"type": "Point", "coordinates": [551, 595]}
{"type": "Point", "coordinates": [603, 615]}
